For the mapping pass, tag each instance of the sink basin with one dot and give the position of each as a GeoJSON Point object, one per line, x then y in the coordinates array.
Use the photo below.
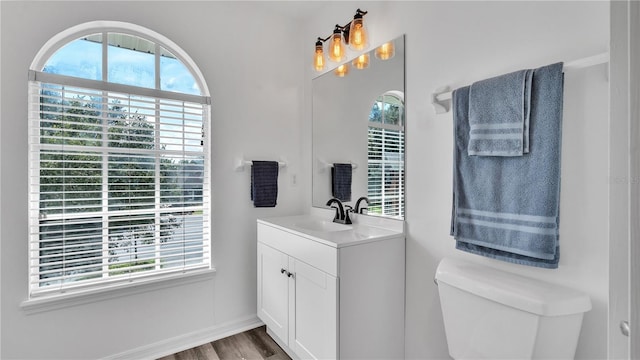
{"type": "Point", "coordinates": [322, 225]}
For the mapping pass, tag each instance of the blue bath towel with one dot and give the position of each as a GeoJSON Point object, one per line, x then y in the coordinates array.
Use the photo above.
{"type": "Point", "coordinates": [507, 208]}
{"type": "Point", "coordinates": [499, 111]}
{"type": "Point", "coordinates": [341, 181]}
{"type": "Point", "coordinates": [264, 183]}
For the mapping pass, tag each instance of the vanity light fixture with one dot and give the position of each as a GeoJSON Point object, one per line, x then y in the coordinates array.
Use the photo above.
{"type": "Point", "coordinates": [353, 34]}
{"type": "Point", "coordinates": [361, 62]}
{"type": "Point", "coordinates": [342, 70]}
{"type": "Point", "coordinates": [386, 51]}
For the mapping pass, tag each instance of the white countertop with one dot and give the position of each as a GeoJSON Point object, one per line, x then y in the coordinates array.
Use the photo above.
{"type": "Point", "coordinates": [354, 234]}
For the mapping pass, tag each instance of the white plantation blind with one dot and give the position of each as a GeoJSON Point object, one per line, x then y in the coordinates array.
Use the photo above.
{"type": "Point", "coordinates": [119, 185]}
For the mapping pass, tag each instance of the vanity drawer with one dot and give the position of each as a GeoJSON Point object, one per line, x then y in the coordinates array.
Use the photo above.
{"type": "Point", "coordinates": [311, 252]}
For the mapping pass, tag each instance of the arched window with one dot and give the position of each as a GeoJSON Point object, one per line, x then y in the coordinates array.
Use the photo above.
{"type": "Point", "coordinates": [119, 161]}
{"type": "Point", "coordinates": [385, 162]}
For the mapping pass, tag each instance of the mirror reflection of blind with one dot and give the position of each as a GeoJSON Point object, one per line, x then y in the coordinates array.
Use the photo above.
{"type": "Point", "coordinates": [385, 163]}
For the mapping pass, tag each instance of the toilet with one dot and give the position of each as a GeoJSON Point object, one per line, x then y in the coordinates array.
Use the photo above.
{"type": "Point", "coordinates": [492, 314]}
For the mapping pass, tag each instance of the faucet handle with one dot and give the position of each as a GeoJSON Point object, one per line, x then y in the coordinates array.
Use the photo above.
{"type": "Point", "coordinates": [348, 209]}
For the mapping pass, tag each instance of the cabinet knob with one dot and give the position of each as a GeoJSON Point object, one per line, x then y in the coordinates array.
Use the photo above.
{"type": "Point", "coordinates": [290, 275]}
{"type": "Point", "coordinates": [282, 271]}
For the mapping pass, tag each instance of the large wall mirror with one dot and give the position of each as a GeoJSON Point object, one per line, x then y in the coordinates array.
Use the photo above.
{"type": "Point", "coordinates": [358, 119]}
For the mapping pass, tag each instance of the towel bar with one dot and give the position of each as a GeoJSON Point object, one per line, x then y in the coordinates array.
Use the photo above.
{"type": "Point", "coordinates": [242, 163]}
{"type": "Point", "coordinates": [323, 165]}
{"type": "Point", "coordinates": [443, 95]}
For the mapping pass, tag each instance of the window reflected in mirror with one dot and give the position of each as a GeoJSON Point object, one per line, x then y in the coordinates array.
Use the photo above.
{"type": "Point", "coordinates": [385, 159]}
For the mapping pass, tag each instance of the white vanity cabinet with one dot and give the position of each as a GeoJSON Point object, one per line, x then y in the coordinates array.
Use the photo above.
{"type": "Point", "coordinates": [330, 295]}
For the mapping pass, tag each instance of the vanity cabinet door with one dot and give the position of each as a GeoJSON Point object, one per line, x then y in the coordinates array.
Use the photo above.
{"type": "Point", "coordinates": [273, 290]}
{"type": "Point", "coordinates": [313, 332]}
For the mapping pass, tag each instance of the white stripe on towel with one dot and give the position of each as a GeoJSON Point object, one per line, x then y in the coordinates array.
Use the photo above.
{"type": "Point", "coordinates": [495, 136]}
{"type": "Point", "coordinates": [509, 216]}
{"type": "Point", "coordinates": [500, 126]}
{"type": "Point", "coordinates": [521, 228]}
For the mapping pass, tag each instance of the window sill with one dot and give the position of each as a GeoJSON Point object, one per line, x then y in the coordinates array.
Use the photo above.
{"type": "Point", "coordinates": [59, 301]}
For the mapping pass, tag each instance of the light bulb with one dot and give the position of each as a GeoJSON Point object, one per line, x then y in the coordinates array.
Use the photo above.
{"type": "Point", "coordinates": [358, 37]}
{"type": "Point", "coordinates": [342, 70]}
{"type": "Point", "coordinates": [385, 51]}
{"type": "Point", "coordinates": [318, 57]}
{"type": "Point", "coordinates": [361, 62]}
{"type": "Point", "coordinates": [336, 46]}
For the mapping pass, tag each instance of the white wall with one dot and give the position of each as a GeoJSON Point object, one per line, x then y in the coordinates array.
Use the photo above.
{"type": "Point", "coordinates": [456, 43]}
{"type": "Point", "coordinates": [256, 113]}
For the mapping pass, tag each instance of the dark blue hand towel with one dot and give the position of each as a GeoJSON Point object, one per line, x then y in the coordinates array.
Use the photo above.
{"type": "Point", "coordinates": [341, 181]}
{"type": "Point", "coordinates": [507, 208]}
{"type": "Point", "coordinates": [264, 183]}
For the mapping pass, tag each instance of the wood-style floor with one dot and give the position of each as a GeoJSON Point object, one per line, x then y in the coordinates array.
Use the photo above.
{"type": "Point", "coordinates": [253, 344]}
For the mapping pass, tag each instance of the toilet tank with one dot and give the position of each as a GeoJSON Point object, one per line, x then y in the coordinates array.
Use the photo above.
{"type": "Point", "coordinates": [492, 314]}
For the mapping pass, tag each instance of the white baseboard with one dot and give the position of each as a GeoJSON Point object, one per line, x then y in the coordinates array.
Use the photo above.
{"type": "Point", "coordinates": [188, 341]}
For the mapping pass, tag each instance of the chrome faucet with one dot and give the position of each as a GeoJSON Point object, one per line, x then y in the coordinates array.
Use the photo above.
{"type": "Point", "coordinates": [341, 216]}
{"type": "Point", "coordinates": [358, 208]}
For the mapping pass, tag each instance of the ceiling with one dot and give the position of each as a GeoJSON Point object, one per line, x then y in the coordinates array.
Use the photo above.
{"type": "Point", "coordinates": [295, 9]}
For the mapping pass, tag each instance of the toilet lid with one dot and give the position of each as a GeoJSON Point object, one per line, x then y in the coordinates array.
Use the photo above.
{"type": "Point", "coordinates": [524, 293]}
